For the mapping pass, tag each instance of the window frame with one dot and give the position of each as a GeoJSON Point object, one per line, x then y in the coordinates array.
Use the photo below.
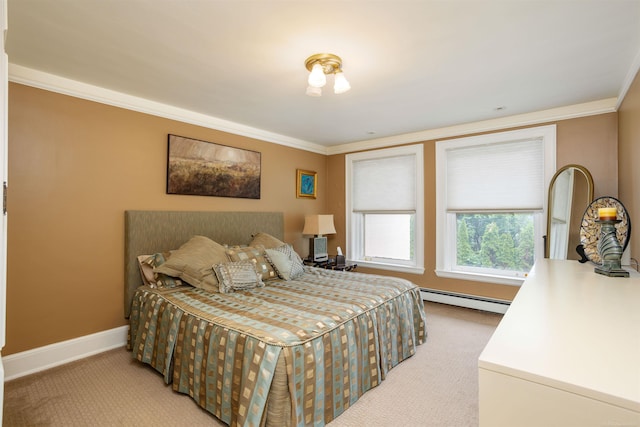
{"type": "Point", "coordinates": [354, 231]}
{"type": "Point", "coordinates": [446, 224]}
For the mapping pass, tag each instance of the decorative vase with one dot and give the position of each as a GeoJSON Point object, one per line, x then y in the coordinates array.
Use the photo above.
{"type": "Point", "coordinates": [610, 250]}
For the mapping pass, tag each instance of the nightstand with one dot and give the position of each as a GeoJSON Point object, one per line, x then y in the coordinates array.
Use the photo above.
{"type": "Point", "coordinates": [330, 264]}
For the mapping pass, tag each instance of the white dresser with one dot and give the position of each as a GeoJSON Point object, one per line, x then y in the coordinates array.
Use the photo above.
{"type": "Point", "coordinates": [567, 352]}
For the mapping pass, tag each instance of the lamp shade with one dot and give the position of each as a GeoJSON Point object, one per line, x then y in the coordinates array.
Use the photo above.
{"type": "Point", "coordinates": [317, 77]}
{"type": "Point", "coordinates": [341, 85]}
{"type": "Point", "coordinates": [314, 91]}
{"type": "Point", "coordinates": [318, 225]}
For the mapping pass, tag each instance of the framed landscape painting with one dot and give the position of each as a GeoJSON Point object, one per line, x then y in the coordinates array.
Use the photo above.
{"type": "Point", "coordinates": [203, 168]}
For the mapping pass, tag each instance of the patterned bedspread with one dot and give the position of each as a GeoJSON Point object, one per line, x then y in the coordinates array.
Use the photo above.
{"type": "Point", "coordinates": [339, 334]}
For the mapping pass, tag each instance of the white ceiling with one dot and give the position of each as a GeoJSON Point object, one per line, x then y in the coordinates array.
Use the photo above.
{"type": "Point", "coordinates": [413, 65]}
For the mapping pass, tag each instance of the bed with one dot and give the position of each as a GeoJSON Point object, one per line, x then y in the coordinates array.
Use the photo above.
{"type": "Point", "coordinates": [288, 353]}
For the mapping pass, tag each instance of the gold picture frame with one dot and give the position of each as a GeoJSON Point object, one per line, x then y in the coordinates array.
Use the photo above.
{"type": "Point", "coordinates": [306, 184]}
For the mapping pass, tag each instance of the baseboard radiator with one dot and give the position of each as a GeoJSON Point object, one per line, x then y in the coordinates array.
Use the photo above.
{"type": "Point", "coordinates": [465, 300]}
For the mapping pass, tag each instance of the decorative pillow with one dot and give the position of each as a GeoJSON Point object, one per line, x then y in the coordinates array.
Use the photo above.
{"type": "Point", "coordinates": [237, 276]}
{"type": "Point", "coordinates": [286, 261]}
{"type": "Point", "coordinates": [256, 255]}
{"type": "Point", "coordinates": [156, 280]}
{"type": "Point", "coordinates": [146, 270]}
{"type": "Point", "coordinates": [192, 263]}
{"type": "Point", "coordinates": [266, 240]}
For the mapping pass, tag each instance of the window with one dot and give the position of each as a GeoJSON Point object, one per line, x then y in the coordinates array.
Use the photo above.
{"type": "Point", "coordinates": [385, 203]}
{"type": "Point", "coordinates": [490, 203]}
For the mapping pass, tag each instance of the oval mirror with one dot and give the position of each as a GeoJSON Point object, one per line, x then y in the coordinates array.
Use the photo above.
{"type": "Point", "coordinates": [570, 192]}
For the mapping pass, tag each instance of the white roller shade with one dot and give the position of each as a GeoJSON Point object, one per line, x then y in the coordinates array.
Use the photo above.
{"type": "Point", "coordinates": [385, 184]}
{"type": "Point", "coordinates": [507, 175]}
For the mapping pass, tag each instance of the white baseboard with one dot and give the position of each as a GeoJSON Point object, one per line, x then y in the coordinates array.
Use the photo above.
{"type": "Point", "coordinates": [464, 300]}
{"type": "Point", "coordinates": [41, 358]}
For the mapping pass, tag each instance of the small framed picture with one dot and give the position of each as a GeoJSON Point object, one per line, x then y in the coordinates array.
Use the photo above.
{"type": "Point", "coordinates": [306, 184]}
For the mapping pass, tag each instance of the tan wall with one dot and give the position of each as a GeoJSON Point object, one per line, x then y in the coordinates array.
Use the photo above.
{"type": "Point", "coordinates": [589, 141]}
{"type": "Point", "coordinates": [75, 166]}
{"type": "Point", "coordinates": [629, 159]}
{"type": "Point", "coordinates": [593, 143]}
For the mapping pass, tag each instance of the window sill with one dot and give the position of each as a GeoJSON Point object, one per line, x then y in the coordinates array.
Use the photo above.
{"type": "Point", "coordinates": [500, 280]}
{"type": "Point", "coordinates": [390, 267]}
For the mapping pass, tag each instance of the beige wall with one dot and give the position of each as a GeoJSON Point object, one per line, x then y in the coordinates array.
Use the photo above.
{"type": "Point", "coordinates": [589, 141]}
{"type": "Point", "coordinates": [75, 166]}
{"type": "Point", "coordinates": [629, 161]}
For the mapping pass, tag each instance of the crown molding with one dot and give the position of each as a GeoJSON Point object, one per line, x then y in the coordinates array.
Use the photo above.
{"type": "Point", "coordinates": [561, 113]}
{"type": "Point", "coordinates": [53, 83]}
{"type": "Point", "coordinates": [628, 81]}
{"type": "Point", "coordinates": [30, 77]}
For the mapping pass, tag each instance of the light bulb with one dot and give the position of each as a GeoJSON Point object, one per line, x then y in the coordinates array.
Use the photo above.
{"type": "Point", "coordinates": [314, 91]}
{"type": "Point", "coordinates": [340, 85]}
{"type": "Point", "coordinates": [317, 77]}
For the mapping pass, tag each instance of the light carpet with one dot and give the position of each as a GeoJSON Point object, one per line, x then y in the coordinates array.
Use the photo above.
{"type": "Point", "coordinates": [436, 387]}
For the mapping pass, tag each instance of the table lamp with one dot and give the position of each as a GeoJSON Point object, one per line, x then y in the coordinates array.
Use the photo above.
{"type": "Point", "coordinates": [317, 225]}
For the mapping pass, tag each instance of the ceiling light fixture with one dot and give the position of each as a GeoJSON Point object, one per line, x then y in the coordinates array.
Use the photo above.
{"type": "Point", "coordinates": [319, 66]}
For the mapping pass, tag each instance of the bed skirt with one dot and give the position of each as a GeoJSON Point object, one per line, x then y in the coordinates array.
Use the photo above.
{"type": "Point", "coordinates": [256, 358]}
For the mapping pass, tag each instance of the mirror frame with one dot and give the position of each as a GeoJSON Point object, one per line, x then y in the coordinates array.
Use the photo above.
{"type": "Point", "coordinates": [587, 174]}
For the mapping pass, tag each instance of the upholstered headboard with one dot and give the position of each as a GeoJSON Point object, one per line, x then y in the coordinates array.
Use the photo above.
{"type": "Point", "coordinates": [148, 232]}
